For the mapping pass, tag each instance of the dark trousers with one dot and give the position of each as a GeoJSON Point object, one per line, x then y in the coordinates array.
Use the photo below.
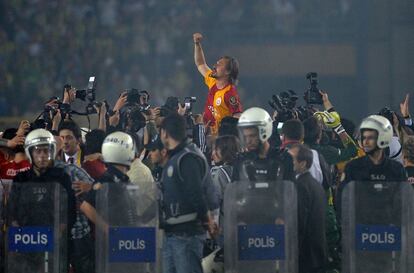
{"type": "Point", "coordinates": [82, 255]}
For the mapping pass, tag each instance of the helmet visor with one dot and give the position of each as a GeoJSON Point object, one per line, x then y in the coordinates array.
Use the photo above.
{"type": "Point", "coordinates": [249, 138]}
{"type": "Point", "coordinates": [42, 155]}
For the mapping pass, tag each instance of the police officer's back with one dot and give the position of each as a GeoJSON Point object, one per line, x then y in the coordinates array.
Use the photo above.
{"type": "Point", "coordinates": [118, 151]}
{"type": "Point", "coordinates": [184, 208]}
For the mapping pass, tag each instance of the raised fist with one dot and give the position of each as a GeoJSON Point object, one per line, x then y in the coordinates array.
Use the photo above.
{"type": "Point", "coordinates": [197, 37]}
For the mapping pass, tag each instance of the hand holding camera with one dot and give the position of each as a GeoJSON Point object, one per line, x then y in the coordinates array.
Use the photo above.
{"type": "Point", "coordinates": [24, 128]}
{"type": "Point", "coordinates": [120, 103]}
{"type": "Point", "coordinates": [69, 94]}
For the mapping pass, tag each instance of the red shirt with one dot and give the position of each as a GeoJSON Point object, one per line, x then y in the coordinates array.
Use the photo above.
{"type": "Point", "coordinates": [9, 169]}
{"type": "Point", "coordinates": [220, 103]}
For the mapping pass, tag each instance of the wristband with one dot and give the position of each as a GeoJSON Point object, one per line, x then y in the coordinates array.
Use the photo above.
{"type": "Point", "coordinates": [339, 129]}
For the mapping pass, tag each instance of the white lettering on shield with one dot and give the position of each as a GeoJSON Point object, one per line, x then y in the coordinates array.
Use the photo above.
{"type": "Point", "coordinates": [378, 238]}
{"type": "Point", "coordinates": [31, 239]}
{"type": "Point", "coordinates": [131, 244]}
{"type": "Point", "coordinates": [267, 242]}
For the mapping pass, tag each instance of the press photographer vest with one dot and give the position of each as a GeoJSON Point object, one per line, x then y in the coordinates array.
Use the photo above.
{"type": "Point", "coordinates": [175, 204]}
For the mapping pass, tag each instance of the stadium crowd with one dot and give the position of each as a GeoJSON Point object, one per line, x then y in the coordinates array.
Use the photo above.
{"type": "Point", "coordinates": [183, 165]}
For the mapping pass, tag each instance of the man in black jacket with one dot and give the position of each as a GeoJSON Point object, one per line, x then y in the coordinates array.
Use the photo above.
{"type": "Point", "coordinates": [311, 213]}
{"type": "Point", "coordinates": [184, 209]}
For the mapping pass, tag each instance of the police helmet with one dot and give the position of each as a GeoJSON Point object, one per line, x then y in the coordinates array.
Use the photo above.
{"type": "Point", "coordinates": [383, 127]}
{"type": "Point", "coordinates": [118, 148]}
{"type": "Point", "coordinates": [39, 137]}
{"type": "Point", "coordinates": [257, 117]}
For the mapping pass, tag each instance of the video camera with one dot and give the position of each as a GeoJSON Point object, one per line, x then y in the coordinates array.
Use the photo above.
{"type": "Point", "coordinates": [284, 104]}
{"type": "Point", "coordinates": [312, 95]}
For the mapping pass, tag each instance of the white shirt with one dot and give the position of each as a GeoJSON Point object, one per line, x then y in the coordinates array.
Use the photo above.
{"type": "Point", "coordinates": [315, 170]}
{"type": "Point", "coordinates": [75, 158]}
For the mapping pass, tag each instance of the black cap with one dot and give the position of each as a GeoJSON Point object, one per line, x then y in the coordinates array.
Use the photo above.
{"type": "Point", "coordinates": [155, 144]}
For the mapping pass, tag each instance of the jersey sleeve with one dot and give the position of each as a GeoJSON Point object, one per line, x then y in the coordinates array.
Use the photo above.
{"type": "Point", "coordinates": [232, 100]}
{"type": "Point", "coordinates": [209, 81]}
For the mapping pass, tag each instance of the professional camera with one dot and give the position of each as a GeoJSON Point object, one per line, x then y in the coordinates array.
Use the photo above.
{"type": "Point", "coordinates": [132, 96]}
{"type": "Point", "coordinates": [132, 119]}
{"type": "Point", "coordinates": [138, 98]}
{"type": "Point", "coordinates": [312, 95]}
{"type": "Point", "coordinates": [284, 104]}
{"type": "Point", "coordinates": [305, 112]}
{"type": "Point", "coordinates": [89, 93]}
{"type": "Point", "coordinates": [188, 104]}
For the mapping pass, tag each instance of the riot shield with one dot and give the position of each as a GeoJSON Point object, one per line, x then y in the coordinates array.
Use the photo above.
{"type": "Point", "coordinates": [129, 240]}
{"type": "Point", "coordinates": [5, 187]}
{"type": "Point", "coordinates": [37, 230]}
{"type": "Point", "coordinates": [260, 227]}
{"type": "Point", "coordinates": [378, 227]}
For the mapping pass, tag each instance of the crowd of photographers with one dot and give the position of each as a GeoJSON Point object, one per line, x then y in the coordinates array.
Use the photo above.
{"type": "Point", "coordinates": [184, 161]}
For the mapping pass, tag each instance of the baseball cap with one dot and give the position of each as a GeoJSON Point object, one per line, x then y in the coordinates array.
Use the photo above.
{"type": "Point", "coordinates": [155, 144]}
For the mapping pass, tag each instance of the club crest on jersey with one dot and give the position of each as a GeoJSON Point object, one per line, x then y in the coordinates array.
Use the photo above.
{"type": "Point", "coordinates": [170, 171]}
{"type": "Point", "coordinates": [218, 101]}
{"type": "Point", "coordinates": [233, 100]}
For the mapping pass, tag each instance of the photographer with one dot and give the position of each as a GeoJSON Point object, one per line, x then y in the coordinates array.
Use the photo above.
{"type": "Point", "coordinates": [195, 129]}
{"type": "Point", "coordinates": [127, 114]}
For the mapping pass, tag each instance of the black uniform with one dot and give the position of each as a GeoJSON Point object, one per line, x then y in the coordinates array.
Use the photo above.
{"type": "Point", "coordinates": [277, 165]}
{"type": "Point", "coordinates": [183, 204]}
{"type": "Point", "coordinates": [38, 200]}
{"type": "Point", "coordinates": [122, 210]}
{"type": "Point", "coordinates": [363, 169]}
{"type": "Point", "coordinates": [34, 205]}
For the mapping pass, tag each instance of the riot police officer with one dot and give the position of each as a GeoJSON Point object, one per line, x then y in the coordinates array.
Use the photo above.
{"type": "Point", "coordinates": [33, 197]}
{"type": "Point", "coordinates": [260, 161]}
{"type": "Point", "coordinates": [118, 152]}
{"type": "Point", "coordinates": [376, 135]}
